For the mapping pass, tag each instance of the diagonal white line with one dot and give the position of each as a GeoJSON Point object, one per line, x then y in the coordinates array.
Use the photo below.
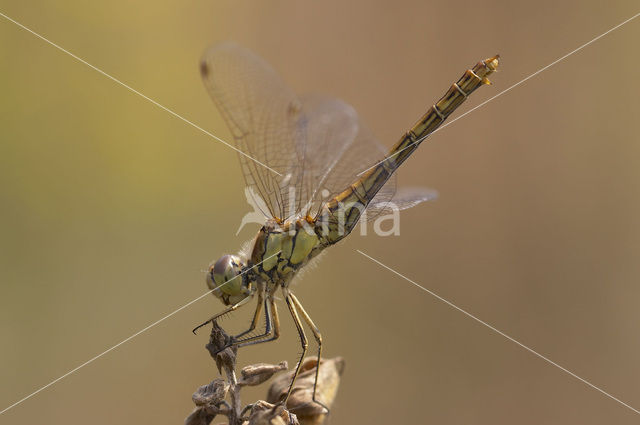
{"type": "Point", "coordinates": [450, 304]}
{"type": "Point", "coordinates": [91, 360]}
{"type": "Point", "coordinates": [577, 49]}
{"type": "Point", "coordinates": [114, 79]}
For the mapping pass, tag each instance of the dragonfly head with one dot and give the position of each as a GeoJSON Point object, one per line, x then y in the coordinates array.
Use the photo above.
{"type": "Point", "coordinates": [227, 280]}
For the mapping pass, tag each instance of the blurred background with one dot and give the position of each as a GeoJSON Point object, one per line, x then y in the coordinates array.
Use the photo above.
{"type": "Point", "coordinates": [111, 209]}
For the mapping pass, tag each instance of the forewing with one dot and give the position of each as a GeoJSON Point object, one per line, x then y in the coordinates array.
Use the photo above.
{"type": "Point", "coordinates": [316, 145]}
{"type": "Point", "coordinates": [261, 112]}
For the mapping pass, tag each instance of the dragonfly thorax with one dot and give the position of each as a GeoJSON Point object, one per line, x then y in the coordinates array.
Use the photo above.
{"type": "Point", "coordinates": [280, 249]}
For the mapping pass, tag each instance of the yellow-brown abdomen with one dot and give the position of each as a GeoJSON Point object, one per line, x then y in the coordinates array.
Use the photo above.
{"type": "Point", "coordinates": [341, 214]}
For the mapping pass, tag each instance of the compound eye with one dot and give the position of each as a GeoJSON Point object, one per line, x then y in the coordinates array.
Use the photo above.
{"type": "Point", "coordinates": [225, 274]}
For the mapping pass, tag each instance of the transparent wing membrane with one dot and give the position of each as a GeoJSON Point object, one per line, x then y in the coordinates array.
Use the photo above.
{"type": "Point", "coordinates": [316, 145]}
{"type": "Point", "coordinates": [337, 147]}
{"type": "Point", "coordinates": [261, 111]}
{"type": "Point", "coordinates": [405, 197]}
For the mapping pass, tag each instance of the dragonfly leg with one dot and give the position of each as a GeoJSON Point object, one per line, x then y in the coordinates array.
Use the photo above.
{"type": "Point", "coordinates": [263, 337]}
{"type": "Point", "coordinates": [267, 328]}
{"type": "Point", "coordinates": [303, 338]}
{"type": "Point", "coordinates": [272, 324]}
{"type": "Point", "coordinates": [225, 311]}
{"type": "Point", "coordinates": [318, 336]}
{"type": "Point", "coordinates": [256, 316]}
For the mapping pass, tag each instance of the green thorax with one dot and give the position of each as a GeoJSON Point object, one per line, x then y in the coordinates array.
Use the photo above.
{"type": "Point", "coordinates": [280, 250]}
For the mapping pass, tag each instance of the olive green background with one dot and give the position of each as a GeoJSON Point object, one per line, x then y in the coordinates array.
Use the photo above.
{"type": "Point", "coordinates": [110, 208]}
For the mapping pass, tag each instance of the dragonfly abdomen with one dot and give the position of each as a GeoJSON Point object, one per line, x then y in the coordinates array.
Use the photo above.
{"type": "Point", "coordinates": [341, 214]}
{"type": "Point", "coordinates": [471, 80]}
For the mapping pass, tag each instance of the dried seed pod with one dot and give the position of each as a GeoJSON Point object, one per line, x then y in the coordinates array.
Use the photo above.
{"type": "Point", "coordinates": [213, 393]}
{"type": "Point", "coordinates": [221, 349]}
{"type": "Point", "coordinates": [199, 417]}
{"type": "Point", "coordinates": [263, 413]}
{"type": "Point", "coordinates": [301, 399]}
{"type": "Point", "coordinates": [258, 373]}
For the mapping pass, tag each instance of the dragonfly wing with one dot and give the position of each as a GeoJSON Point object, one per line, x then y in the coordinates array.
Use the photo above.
{"type": "Point", "coordinates": [326, 129]}
{"type": "Point", "coordinates": [333, 148]}
{"type": "Point", "coordinates": [261, 113]}
{"type": "Point", "coordinates": [315, 145]}
{"type": "Point", "coordinates": [405, 197]}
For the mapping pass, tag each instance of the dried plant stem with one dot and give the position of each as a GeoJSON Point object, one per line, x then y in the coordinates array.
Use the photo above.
{"type": "Point", "coordinates": [210, 400]}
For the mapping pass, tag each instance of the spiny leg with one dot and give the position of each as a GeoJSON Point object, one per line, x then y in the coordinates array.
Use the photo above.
{"type": "Point", "coordinates": [267, 328]}
{"type": "Point", "coordinates": [248, 341]}
{"type": "Point", "coordinates": [272, 324]}
{"type": "Point", "coordinates": [256, 316]}
{"type": "Point", "coordinates": [318, 336]}
{"type": "Point", "coordinates": [225, 311]}
{"type": "Point", "coordinates": [271, 321]}
{"type": "Point", "coordinates": [303, 339]}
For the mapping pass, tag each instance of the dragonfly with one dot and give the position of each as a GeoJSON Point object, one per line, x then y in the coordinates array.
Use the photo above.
{"type": "Point", "coordinates": [315, 171]}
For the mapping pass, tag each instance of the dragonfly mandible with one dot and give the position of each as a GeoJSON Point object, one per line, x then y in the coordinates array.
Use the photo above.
{"type": "Point", "coordinates": [304, 157]}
